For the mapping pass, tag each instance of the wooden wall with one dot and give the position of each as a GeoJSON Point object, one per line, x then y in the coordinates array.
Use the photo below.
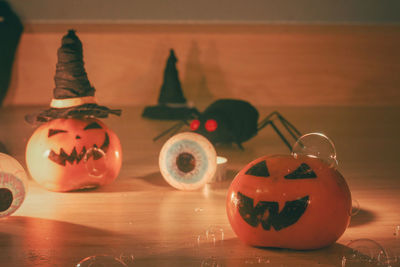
{"type": "Point", "coordinates": [268, 65]}
{"type": "Point", "coordinates": [209, 11]}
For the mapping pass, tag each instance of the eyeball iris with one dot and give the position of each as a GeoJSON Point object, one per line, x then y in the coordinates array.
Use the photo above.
{"type": "Point", "coordinates": [185, 162]}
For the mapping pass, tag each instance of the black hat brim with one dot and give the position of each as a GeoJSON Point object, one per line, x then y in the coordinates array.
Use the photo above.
{"type": "Point", "coordinates": [82, 111]}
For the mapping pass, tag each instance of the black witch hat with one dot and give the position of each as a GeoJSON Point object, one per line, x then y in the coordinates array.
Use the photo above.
{"type": "Point", "coordinates": [73, 96]}
{"type": "Point", "coordinates": [172, 104]}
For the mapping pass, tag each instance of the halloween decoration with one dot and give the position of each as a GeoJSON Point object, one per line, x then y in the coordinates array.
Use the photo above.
{"type": "Point", "coordinates": [73, 95]}
{"type": "Point", "coordinates": [71, 154]}
{"type": "Point", "coordinates": [286, 202]}
{"type": "Point", "coordinates": [220, 174]}
{"type": "Point", "coordinates": [73, 150]}
{"type": "Point", "coordinates": [12, 185]}
{"type": "Point", "coordinates": [10, 32]}
{"type": "Point", "coordinates": [172, 104]}
{"type": "Point", "coordinates": [233, 121]}
{"type": "Point", "coordinates": [188, 161]}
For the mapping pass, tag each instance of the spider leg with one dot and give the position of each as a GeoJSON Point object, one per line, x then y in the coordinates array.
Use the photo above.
{"type": "Point", "coordinates": [288, 126]}
{"type": "Point", "coordinates": [265, 121]}
{"type": "Point", "coordinates": [281, 135]}
{"type": "Point", "coordinates": [240, 146]}
{"type": "Point", "coordinates": [177, 129]}
{"type": "Point", "coordinates": [172, 129]}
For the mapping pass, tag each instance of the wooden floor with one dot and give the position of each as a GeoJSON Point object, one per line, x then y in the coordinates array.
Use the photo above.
{"type": "Point", "coordinates": [141, 216]}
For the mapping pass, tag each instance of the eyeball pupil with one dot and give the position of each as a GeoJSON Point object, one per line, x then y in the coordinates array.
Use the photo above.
{"type": "Point", "coordinates": [194, 125]}
{"type": "Point", "coordinates": [211, 125]}
{"type": "Point", "coordinates": [185, 162]}
{"type": "Point", "coordinates": [6, 199]}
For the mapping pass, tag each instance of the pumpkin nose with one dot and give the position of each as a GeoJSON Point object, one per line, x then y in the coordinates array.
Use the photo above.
{"type": "Point", "coordinates": [78, 137]}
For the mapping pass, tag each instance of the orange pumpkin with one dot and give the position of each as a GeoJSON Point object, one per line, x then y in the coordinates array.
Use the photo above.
{"type": "Point", "coordinates": [71, 154]}
{"type": "Point", "coordinates": [286, 202]}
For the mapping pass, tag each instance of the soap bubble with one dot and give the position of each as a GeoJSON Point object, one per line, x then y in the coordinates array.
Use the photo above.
{"type": "Point", "coordinates": [12, 185]}
{"type": "Point", "coordinates": [213, 235]}
{"type": "Point", "coordinates": [211, 262]}
{"type": "Point", "coordinates": [95, 161]}
{"type": "Point", "coordinates": [127, 258]}
{"type": "Point", "coordinates": [101, 261]}
{"type": "Point", "coordinates": [316, 145]}
{"type": "Point", "coordinates": [365, 253]}
{"type": "Point", "coordinates": [397, 231]}
{"type": "Point", "coordinates": [258, 260]}
{"type": "Point", "coordinates": [198, 209]}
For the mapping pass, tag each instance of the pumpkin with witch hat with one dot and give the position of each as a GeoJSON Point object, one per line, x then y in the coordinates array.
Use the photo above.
{"type": "Point", "coordinates": [72, 149]}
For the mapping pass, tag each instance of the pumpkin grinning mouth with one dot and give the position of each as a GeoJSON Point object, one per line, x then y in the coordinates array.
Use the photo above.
{"type": "Point", "coordinates": [267, 212]}
{"type": "Point", "coordinates": [62, 157]}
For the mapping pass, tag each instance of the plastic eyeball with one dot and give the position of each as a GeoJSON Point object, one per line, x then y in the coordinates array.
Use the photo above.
{"type": "Point", "coordinates": [188, 161]}
{"type": "Point", "coordinates": [316, 145]}
{"type": "Point", "coordinates": [101, 261]}
{"type": "Point", "coordinates": [12, 185]}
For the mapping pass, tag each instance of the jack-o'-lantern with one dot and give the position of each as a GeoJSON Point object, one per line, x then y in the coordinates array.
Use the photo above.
{"type": "Point", "coordinates": [72, 149]}
{"type": "Point", "coordinates": [286, 202]}
{"type": "Point", "coordinates": [70, 154]}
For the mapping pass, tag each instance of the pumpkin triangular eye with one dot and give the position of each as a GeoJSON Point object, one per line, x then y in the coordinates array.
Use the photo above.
{"type": "Point", "coordinates": [302, 172]}
{"type": "Point", "coordinates": [55, 131]}
{"type": "Point", "coordinates": [259, 169]}
{"type": "Point", "coordinates": [93, 125]}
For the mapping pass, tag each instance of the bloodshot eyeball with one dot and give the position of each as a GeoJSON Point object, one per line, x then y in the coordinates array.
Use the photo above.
{"type": "Point", "coordinates": [12, 185]}
{"type": "Point", "coordinates": [188, 161]}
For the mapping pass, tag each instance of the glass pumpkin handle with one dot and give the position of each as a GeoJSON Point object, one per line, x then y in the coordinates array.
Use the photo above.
{"type": "Point", "coordinates": [316, 145]}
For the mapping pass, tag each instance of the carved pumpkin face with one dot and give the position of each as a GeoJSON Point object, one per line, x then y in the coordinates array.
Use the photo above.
{"type": "Point", "coordinates": [287, 202]}
{"type": "Point", "coordinates": [71, 154]}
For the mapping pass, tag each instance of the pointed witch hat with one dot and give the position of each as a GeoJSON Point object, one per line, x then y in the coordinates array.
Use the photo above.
{"type": "Point", "coordinates": [73, 96]}
{"type": "Point", "coordinates": [172, 104]}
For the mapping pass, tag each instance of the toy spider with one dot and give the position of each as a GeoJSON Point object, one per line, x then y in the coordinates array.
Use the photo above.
{"type": "Point", "coordinates": [232, 121]}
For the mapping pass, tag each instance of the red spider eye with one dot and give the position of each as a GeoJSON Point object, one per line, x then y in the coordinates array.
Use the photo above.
{"type": "Point", "coordinates": [211, 125]}
{"type": "Point", "coordinates": [194, 125]}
